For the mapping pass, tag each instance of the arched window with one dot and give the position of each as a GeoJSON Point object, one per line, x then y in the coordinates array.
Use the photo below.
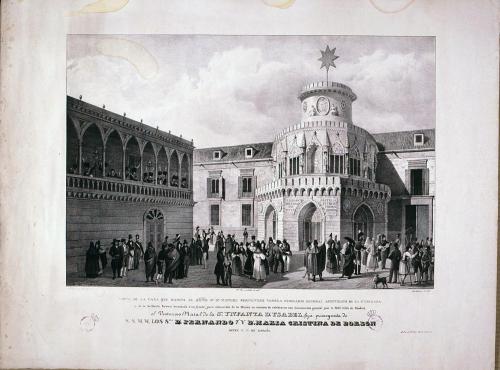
{"type": "Point", "coordinates": [174, 169]}
{"type": "Point", "coordinates": [72, 148]}
{"type": "Point", "coordinates": [185, 172]}
{"type": "Point", "coordinates": [162, 167]}
{"type": "Point", "coordinates": [132, 160]}
{"type": "Point", "coordinates": [114, 156]}
{"type": "Point", "coordinates": [92, 149]}
{"type": "Point", "coordinates": [148, 164]}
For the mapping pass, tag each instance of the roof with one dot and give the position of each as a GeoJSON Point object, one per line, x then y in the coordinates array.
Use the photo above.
{"type": "Point", "coordinates": [233, 153]}
{"type": "Point", "coordinates": [403, 140]}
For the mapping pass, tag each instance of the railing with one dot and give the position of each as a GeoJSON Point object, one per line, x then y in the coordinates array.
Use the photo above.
{"type": "Point", "coordinates": [322, 181]}
{"type": "Point", "coordinates": [310, 180]}
{"type": "Point", "coordinates": [124, 187]}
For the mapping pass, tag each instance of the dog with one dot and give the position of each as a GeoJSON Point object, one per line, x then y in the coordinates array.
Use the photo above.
{"type": "Point", "coordinates": [379, 280]}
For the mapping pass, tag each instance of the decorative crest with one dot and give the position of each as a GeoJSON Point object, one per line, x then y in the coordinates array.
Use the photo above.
{"type": "Point", "coordinates": [327, 59]}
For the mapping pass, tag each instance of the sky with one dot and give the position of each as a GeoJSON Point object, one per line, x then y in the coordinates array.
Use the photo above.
{"type": "Point", "coordinates": [230, 90]}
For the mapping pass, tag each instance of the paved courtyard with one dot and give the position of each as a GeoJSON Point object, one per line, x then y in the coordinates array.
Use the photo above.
{"type": "Point", "coordinates": [198, 277]}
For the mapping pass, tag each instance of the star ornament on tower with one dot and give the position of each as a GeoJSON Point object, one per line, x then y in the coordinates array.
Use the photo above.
{"type": "Point", "coordinates": [327, 59]}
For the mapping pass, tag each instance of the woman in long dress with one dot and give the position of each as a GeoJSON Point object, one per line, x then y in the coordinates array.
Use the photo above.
{"type": "Point", "coordinates": [92, 261]}
{"type": "Point", "coordinates": [371, 250]}
{"type": "Point", "coordinates": [348, 268]}
{"type": "Point", "coordinates": [331, 259]}
{"type": "Point", "coordinates": [259, 272]}
{"type": "Point", "coordinates": [311, 261]}
{"type": "Point", "coordinates": [237, 264]}
{"type": "Point", "coordinates": [248, 267]}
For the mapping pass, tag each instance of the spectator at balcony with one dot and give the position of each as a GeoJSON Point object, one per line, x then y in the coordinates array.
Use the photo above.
{"type": "Point", "coordinates": [184, 183]}
{"type": "Point", "coordinates": [149, 177]}
{"type": "Point", "coordinates": [92, 261]}
{"type": "Point", "coordinates": [165, 178]}
{"type": "Point", "coordinates": [73, 170]}
{"type": "Point", "coordinates": [133, 175]}
{"type": "Point", "coordinates": [161, 178]}
{"type": "Point", "coordinates": [127, 173]}
{"type": "Point", "coordinates": [114, 174]}
{"type": "Point", "coordinates": [174, 181]}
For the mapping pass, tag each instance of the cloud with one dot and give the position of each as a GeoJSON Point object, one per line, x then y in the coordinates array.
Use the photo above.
{"type": "Point", "coordinates": [395, 91]}
{"type": "Point", "coordinates": [238, 97]}
{"type": "Point", "coordinates": [243, 94]}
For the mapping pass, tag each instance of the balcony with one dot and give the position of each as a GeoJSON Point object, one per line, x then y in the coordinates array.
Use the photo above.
{"type": "Point", "coordinates": [309, 181]}
{"type": "Point", "coordinates": [78, 186]}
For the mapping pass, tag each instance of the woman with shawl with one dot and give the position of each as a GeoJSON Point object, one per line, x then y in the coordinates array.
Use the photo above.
{"type": "Point", "coordinates": [259, 272]}
{"type": "Point", "coordinates": [348, 268]}
{"type": "Point", "coordinates": [92, 261]}
{"type": "Point", "coordinates": [236, 256]}
{"type": "Point", "coordinates": [331, 258]}
{"type": "Point", "coordinates": [248, 267]}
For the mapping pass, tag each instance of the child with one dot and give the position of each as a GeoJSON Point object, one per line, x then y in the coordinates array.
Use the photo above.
{"type": "Point", "coordinates": [159, 274]}
{"type": "Point", "coordinates": [228, 271]}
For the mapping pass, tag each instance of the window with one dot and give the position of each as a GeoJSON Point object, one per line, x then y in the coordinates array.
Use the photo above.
{"type": "Point", "coordinates": [248, 152]}
{"type": "Point", "coordinates": [214, 187]}
{"type": "Point", "coordinates": [354, 167]}
{"type": "Point", "coordinates": [280, 170]}
{"type": "Point", "coordinates": [294, 166]}
{"type": "Point", "coordinates": [246, 215]}
{"type": "Point", "coordinates": [417, 182]}
{"type": "Point", "coordinates": [217, 154]}
{"type": "Point", "coordinates": [247, 185]}
{"type": "Point", "coordinates": [336, 163]}
{"type": "Point", "coordinates": [418, 139]}
{"type": "Point", "coordinates": [214, 214]}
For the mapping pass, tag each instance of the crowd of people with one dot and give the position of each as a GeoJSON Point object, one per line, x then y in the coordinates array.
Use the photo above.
{"type": "Point", "coordinates": [256, 259]}
{"type": "Point", "coordinates": [414, 261]}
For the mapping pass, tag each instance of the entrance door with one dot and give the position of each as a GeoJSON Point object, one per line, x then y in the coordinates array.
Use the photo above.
{"type": "Point", "coordinates": [310, 225]}
{"type": "Point", "coordinates": [154, 228]}
{"type": "Point", "coordinates": [362, 221]}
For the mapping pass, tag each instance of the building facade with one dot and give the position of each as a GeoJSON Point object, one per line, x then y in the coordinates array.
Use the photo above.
{"type": "Point", "coordinates": [123, 177]}
{"type": "Point", "coordinates": [324, 175]}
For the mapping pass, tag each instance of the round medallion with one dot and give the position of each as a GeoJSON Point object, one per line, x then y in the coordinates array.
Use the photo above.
{"type": "Point", "coordinates": [380, 208]}
{"type": "Point", "coordinates": [323, 105]}
{"type": "Point", "coordinates": [343, 104]}
{"type": "Point", "coordinates": [347, 205]}
{"type": "Point", "coordinates": [304, 106]}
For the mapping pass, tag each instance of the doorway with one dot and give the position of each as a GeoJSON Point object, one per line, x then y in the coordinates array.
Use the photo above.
{"type": "Point", "coordinates": [154, 228]}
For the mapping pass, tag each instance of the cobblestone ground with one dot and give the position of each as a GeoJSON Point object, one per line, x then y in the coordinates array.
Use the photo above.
{"type": "Point", "coordinates": [198, 277]}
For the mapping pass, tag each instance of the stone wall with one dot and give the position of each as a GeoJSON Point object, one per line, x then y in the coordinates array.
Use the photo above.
{"type": "Point", "coordinates": [90, 220]}
{"type": "Point", "coordinates": [231, 204]}
{"type": "Point", "coordinates": [391, 170]}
